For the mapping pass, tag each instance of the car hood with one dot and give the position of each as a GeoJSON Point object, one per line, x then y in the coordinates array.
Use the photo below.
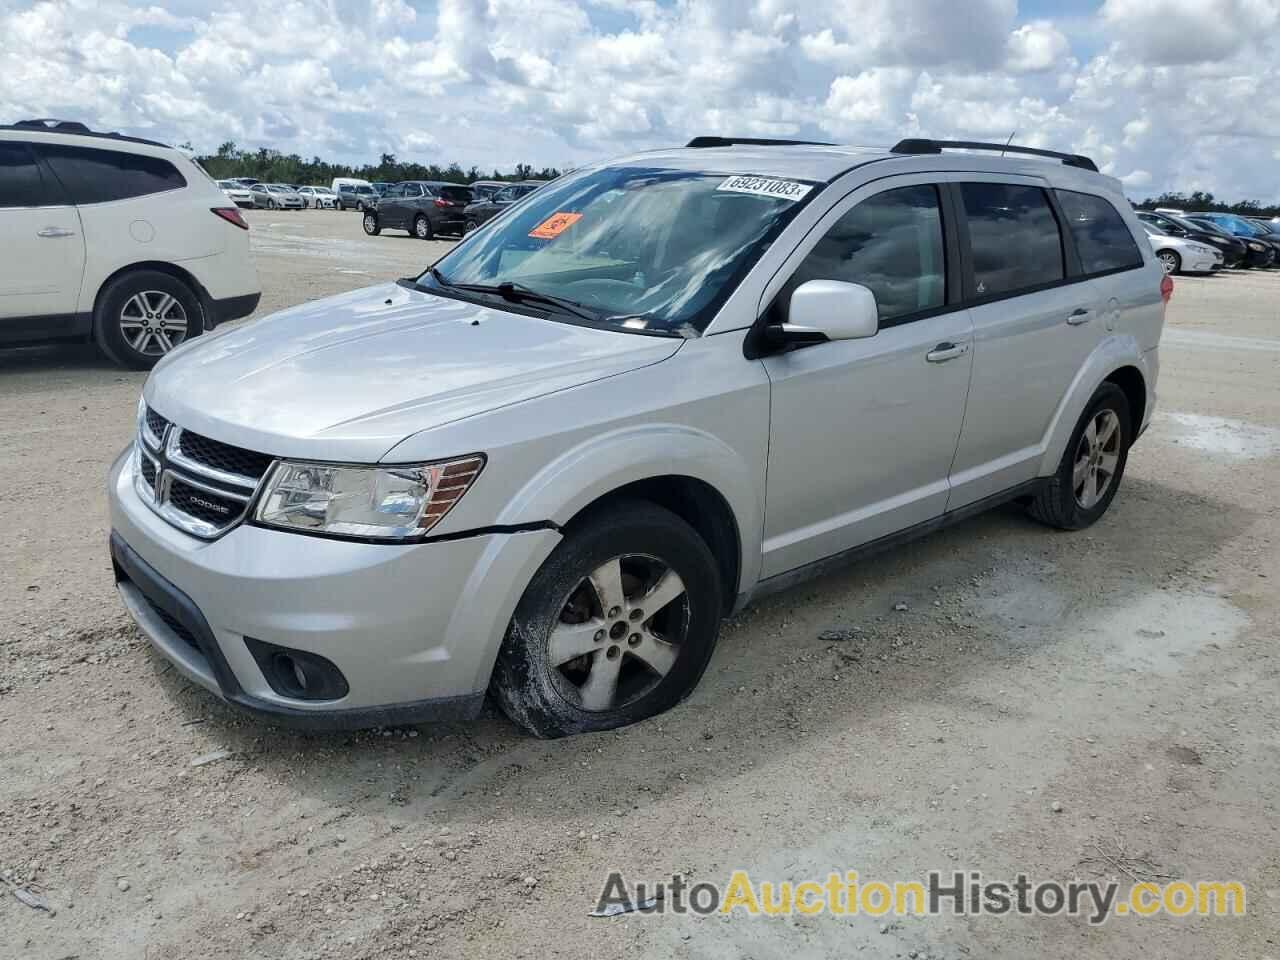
{"type": "Point", "coordinates": [350, 377]}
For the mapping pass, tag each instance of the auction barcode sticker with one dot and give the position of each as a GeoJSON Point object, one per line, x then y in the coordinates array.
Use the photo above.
{"type": "Point", "coordinates": [766, 187]}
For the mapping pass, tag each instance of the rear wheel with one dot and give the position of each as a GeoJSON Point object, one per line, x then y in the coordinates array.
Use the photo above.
{"type": "Point", "coordinates": [1170, 262]}
{"type": "Point", "coordinates": [471, 225]}
{"type": "Point", "coordinates": [617, 625]}
{"type": "Point", "coordinates": [143, 315]}
{"type": "Point", "coordinates": [370, 224]}
{"type": "Point", "coordinates": [1092, 466]}
{"type": "Point", "coordinates": [422, 227]}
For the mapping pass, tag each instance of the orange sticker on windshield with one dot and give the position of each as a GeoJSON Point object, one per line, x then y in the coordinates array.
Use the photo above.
{"type": "Point", "coordinates": [554, 225]}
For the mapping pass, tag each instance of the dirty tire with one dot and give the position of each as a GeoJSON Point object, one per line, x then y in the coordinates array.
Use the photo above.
{"type": "Point", "coordinates": [107, 332]}
{"type": "Point", "coordinates": [529, 688]}
{"type": "Point", "coordinates": [1056, 505]}
{"type": "Point", "coordinates": [370, 224]}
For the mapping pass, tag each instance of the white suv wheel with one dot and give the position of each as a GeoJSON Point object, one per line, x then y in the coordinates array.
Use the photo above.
{"type": "Point", "coordinates": [153, 322]}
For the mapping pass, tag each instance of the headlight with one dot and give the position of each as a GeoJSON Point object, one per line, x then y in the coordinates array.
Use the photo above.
{"type": "Point", "coordinates": [378, 503]}
{"type": "Point", "coordinates": [1256, 247]}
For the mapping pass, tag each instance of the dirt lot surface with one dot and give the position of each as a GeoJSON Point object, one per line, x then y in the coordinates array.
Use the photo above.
{"type": "Point", "coordinates": [1066, 705]}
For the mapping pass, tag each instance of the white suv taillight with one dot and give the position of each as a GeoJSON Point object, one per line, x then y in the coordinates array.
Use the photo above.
{"type": "Point", "coordinates": [231, 215]}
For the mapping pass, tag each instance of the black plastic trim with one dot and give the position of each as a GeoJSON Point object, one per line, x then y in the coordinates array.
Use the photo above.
{"type": "Point", "coordinates": [73, 128]}
{"type": "Point", "coordinates": [789, 578]}
{"type": "Point", "coordinates": [159, 591]}
{"type": "Point", "coordinates": [704, 142]}
{"type": "Point", "coordinates": [45, 328]}
{"type": "Point", "coordinates": [230, 308]}
{"type": "Point", "coordinates": [392, 542]}
{"type": "Point", "coordinates": [914, 146]}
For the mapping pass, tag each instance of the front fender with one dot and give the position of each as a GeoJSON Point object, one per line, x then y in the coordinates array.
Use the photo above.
{"type": "Point", "coordinates": [1116, 351]}
{"type": "Point", "coordinates": [603, 463]}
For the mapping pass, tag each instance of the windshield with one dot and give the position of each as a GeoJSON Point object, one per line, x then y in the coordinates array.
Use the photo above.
{"type": "Point", "coordinates": [641, 248]}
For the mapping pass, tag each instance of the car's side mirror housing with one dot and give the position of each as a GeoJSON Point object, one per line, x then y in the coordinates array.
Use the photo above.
{"type": "Point", "coordinates": [831, 310]}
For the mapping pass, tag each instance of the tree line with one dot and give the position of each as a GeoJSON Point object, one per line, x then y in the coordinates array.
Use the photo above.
{"type": "Point", "coordinates": [271, 166]}
{"type": "Point", "coordinates": [1201, 201]}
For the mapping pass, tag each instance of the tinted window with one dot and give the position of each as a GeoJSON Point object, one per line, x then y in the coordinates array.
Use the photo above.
{"type": "Point", "coordinates": [1014, 237]}
{"type": "Point", "coordinates": [1102, 238]}
{"type": "Point", "coordinates": [507, 193]}
{"type": "Point", "coordinates": [891, 243]}
{"type": "Point", "coordinates": [457, 194]}
{"type": "Point", "coordinates": [96, 176]}
{"type": "Point", "coordinates": [21, 183]}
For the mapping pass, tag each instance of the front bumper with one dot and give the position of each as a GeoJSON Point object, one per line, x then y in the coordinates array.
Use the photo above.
{"type": "Point", "coordinates": [413, 629]}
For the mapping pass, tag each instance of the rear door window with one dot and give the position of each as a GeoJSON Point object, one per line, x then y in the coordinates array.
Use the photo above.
{"type": "Point", "coordinates": [21, 182]}
{"type": "Point", "coordinates": [456, 194]}
{"type": "Point", "coordinates": [99, 176]}
{"type": "Point", "coordinates": [1101, 236]}
{"type": "Point", "coordinates": [891, 243]}
{"type": "Point", "coordinates": [1014, 238]}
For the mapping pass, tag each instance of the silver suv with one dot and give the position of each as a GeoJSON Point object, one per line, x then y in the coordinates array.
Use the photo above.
{"type": "Point", "coordinates": [650, 392]}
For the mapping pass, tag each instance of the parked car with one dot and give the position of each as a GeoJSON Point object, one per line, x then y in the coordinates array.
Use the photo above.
{"type": "Point", "coordinates": [426, 208]}
{"type": "Point", "coordinates": [238, 193]}
{"type": "Point", "coordinates": [1268, 231]}
{"type": "Point", "coordinates": [658, 388]}
{"type": "Point", "coordinates": [380, 187]}
{"type": "Point", "coordinates": [484, 189]}
{"type": "Point", "coordinates": [116, 240]}
{"type": "Point", "coordinates": [1234, 251]}
{"type": "Point", "coordinates": [244, 181]}
{"type": "Point", "coordinates": [275, 196]}
{"type": "Point", "coordinates": [483, 211]}
{"type": "Point", "coordinates": [1178, 254]}
{"type": "Point", "coordinates": [318, 197]}
{"type": "Point", "coordinates": [355, 196]}
{"type": "Point", "coordinates": [1242, 228]}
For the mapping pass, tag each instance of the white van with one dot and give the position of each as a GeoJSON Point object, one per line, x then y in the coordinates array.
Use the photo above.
{"type": "Point", "coordinates": [353, 193]}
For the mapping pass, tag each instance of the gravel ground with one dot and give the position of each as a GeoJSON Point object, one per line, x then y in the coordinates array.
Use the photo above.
{"type": "Point", "coordinates": [1012, 699]}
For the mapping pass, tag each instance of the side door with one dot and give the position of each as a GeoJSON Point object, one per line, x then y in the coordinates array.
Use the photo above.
{"type": "Point", "coordinates": [862, 432]}
{"type": "Point", "coordinates": [391, 206]}
{"type": "Point", "coordinates": [43, 249]}
{"type": "Point", "coordinates": [1035, 321]}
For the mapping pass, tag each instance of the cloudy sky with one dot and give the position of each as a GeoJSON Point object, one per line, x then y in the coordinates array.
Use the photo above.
{"type": "Point", "coordinates": [1165, 94]}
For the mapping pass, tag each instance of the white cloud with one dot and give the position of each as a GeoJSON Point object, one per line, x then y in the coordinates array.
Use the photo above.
{"type": "Point", "coordinates": [1178, 96]}
{"type": "Point", "coordinates": [1036, 46]}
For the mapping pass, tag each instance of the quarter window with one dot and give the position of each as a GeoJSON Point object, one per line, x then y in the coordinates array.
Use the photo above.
{"type": "Point", "coordinates": [1014, 238]}
{"type": "Point", "coordinates": [21, 184]}
{"type": "Point", "coordinates": [891, 243]}
{"type": "Point", "coordinates": [99, 176]}
{"type": "Point", "coordinates": [1102, 238]}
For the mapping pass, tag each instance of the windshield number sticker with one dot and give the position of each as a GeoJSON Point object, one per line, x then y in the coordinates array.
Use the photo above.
{"type": "Point", "coordinates": [554, 225]}
{"type": "Point", "coordinates": [765, 187]}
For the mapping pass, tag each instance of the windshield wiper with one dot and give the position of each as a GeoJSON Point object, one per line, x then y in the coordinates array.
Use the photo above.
{"type": "Point", "coordinates": [519, 293]}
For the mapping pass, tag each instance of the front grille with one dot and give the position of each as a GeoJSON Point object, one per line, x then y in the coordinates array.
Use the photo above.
{"type": "Point", "coordinates": [156, 424]}
{"type": "Point", "coordinates": [200, 485]}
{"type": "Point", "coordinates": [174, 624]}
{"type": "Point", "coordinates": [223, 456]}
{"type": "Point", "coordinates": [203, 505]}
{"type": "Point", "coordinates": [148, 471]}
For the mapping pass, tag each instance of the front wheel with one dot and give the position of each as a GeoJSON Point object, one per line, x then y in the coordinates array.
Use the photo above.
{"type": "Point", "coordinates": [1170, 262]}
{"type": "Point", "coordinates": [422, 227]}
{"type": "Point", "coordinates": [617, 625]}
{"type": "Point", "coordinates": [1089, 475]}
{"type": "Point", "coordinates": [471, 225]}
{"type": "Point", "coordinates": [370, 224]}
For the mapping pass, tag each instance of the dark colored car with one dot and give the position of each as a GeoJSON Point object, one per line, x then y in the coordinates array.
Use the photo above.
{"type": "Point", "coordinates": [1251, 234]}
{"type": "Point", "coordinates": [425, 208]}
{"type": "Point", "coordinates": [1234, 250]}
{"type": "Point", "coordinates": [484, 189]}
{"type": "Point", "coordinates": [486, 210]}
{"type": "Point", "coordinates": [1269, 231]}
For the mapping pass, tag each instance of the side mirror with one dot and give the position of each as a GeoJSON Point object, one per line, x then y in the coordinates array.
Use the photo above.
{"type": "Point", "coordinates": [830, 310]}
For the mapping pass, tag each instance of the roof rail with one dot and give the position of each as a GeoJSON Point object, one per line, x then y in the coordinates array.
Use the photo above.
{"type": "Point", "coordinates": [937, 146]}
{"type": "Point", "coordinates": [752, 142]}
{"type": "Point", "coordinates": [76, 129]}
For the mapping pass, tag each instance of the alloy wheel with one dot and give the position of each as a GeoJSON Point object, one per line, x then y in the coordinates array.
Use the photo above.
{"type": "Point", "coordinates": [619, 632]}
{"type": "Point", "coordinates": [153, 322]}
{"type": "Point", "coordinates": [1168, 262]}
{"type": "Point", "coordinates": [422, 228]}
{"type": "Point", "coordinates": [1097, 456]}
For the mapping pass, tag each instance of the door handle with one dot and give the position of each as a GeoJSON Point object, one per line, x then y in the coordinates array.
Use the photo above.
{"type": "Point", "coordinates": [55, 233]}
{"type": "Point", "coordinates": [946, 351]}
{"type": "Point", "coordinates": [1078, 316]}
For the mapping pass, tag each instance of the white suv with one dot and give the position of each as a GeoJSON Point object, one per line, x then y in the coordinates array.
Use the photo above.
{"type": "Point", "coordinates": [115, 239]}
{"type": "Point", "coordinates": [652, 391]}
